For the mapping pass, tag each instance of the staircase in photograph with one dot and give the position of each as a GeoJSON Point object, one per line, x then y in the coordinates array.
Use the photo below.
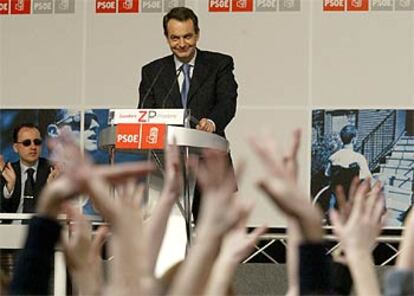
{"type": "Point", "coordinates": [397, 174]}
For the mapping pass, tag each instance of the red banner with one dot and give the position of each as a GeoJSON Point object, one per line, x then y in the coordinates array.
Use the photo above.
{"type": "Point", "coordinates": [334, 5]}
{"type": "Point", "coordinates": [105, 6]}
{"type": "Point", "coordinates": [4, 6]}
{"type": "Point", "coordinates": [128, 6]}
{"type": "Point", "coordinates": [140, 136]}
{"type": "Point", "coordinates": [242, 5]}
{"type": "Point", "coordinates": [20, 6]}
{"type": "Point", "coordinates": [219, 5]}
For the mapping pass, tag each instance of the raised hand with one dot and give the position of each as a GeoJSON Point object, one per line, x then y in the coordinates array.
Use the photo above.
{"type": "Point", "coordinates": [363, 225]}
{"type": "Point", "coordinates": [8, 173]}
{"type": "Point", "coordinates": [53, 174]}
{"type": "Point", "coordinates": [357, 235]}
{"type": "Point", "coordinates": [70, 160]}
{"type": "Point", "coordinates": [220, 211]}
{"type": "Point", "coordinates": [237, 243]}
{"type": "Point", "coordinates": [281, 186]}
{"type": "Point", "coordinates": [83, 254]}
{"type": "Point", "coordinates": [236, 246]}
{"type": "Point", "coordinates": [131, 272]}
{"type": "Point", "coordinates": [173, 184]}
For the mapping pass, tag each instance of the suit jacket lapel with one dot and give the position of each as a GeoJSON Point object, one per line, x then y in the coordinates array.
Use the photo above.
{"type": "Point", "coordinates": [200, 73]}
{"type": "Point", "coordinates": [174, 98]}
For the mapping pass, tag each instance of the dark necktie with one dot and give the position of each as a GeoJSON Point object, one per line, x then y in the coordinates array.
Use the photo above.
{"type": "Point", "coordinates": [29, 191]}
{"type": "Point", "coordinates": [186, 84]}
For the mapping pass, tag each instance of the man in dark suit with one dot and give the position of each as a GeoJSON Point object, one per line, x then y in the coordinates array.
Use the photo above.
{"type": "Point", "coordinates": [22, 181]}
{"type": "Point", "coordinates": [190, 78]}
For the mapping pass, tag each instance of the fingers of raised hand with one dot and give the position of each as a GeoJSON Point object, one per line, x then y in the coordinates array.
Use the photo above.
{"type": "Point", "coordinates": [267, 151]}
{"type": "Point", "coordinates": [99, 194]}
{"type": "Point", "coordinates": [282, 164]}
{"type": "Point", "coordinates": [337, 222]}
{"type": "Point", "coordinates": [285, 196]}
{"type": "Point", "coordinates": [9, 173]}
{"type": "Point", "coordinates": [360, 195]}
{"type": "Point", "coordinates": [99, 240]}
{"type": "Point", "coordinates": [131, 194]}
{"type": "Point", "coordinates": [2, 162]}
{"type": "Point", "coordinates": [213, 170]}
{"type": "Point", "coordinates": [344, 205]}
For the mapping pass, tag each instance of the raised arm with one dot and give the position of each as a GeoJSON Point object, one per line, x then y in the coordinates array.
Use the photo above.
{"type": "Point", "coordinates": [219, 213]}
{"type": "Point", "coordinates": [399, 280]}
{"type": "Point", "coordinates": [305, 250]}
{"type": "Point", "coordinates": [237, 244]}
{"type": "Point", "coordinates": [156, 226]}
{"type": "Point", "coordinates": [358, 235]}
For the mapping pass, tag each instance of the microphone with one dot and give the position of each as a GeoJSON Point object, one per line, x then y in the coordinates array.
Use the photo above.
{"type": "Point", "coordinates": [141, 105]}
{"type": "Point", "coordinates": [171, 87]}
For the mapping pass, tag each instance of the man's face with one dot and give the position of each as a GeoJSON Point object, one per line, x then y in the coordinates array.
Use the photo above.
{"type": "Point", "coordinates": [182, 39]}
{"type": "Point", "coordinates": [29, 154]}
{"type": "Point", "coordinates": [91, 131]}
{"type": "Point", "coordinates": [91, 126]}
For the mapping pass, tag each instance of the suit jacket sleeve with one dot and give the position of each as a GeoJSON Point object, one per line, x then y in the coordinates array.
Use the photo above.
{"type": "Point", "coordinates": [314, 270]}
{"type": "Point", "coordinates": [34, 264]}
{"type": "Point", "coordinates": [226, 95]}
{"type": "Point", "coordinates": [144, 90]}
{"type": "Point", "coordinates": [9, 205]}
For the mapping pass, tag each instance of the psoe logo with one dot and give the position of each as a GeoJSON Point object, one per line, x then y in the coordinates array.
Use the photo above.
{"type": "Point", "coordinates": [128, 136]}
{"type": "Point", "coordinates": [219, 5]}
{"type": "Point", "coordinates": [404, 5]}
{"type": "Point", "coordinates": [333, 5]}
{"type": "Point", "coordinates": [105, 6]}
{"type": "Point", "coordinates": [242, 5]}
{"type": "Point", "coordinates": [4, 6]}
{"type": "Point", "coordinates": [151, 6]}
{"type": "Point", "coordinates": [128, 6]}
{"type": "Point", "coordinates": [42, 6]}
{"type": "Point", "coordinates": [20, 6]}
{"type": "Point", "coordinates": [153, 136]}
{"type": "Point", "coordinates": [357, 5]}
{"type": "Point", "coordinates": [266, 5]}
{"type": "Point", "coordinates": [382, 4]}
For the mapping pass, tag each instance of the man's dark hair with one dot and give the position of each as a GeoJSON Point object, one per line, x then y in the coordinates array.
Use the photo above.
{"type": "Point", "coordinates": [181, 14]}
{"type": "Point", "coordinates": [348, 132]}
{"type": "Point", "coordinates": [20, 126]}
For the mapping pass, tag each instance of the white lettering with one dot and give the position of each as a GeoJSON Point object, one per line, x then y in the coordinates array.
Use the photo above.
{"type": "Point", "coordinates": [382, 3]}
{"type": "Point", "coordinates": [19, 6]}
{"type": "Point", "coordinates": [334, 3]}
{"type": "Point", "coordinates": [153, 4]}
{"type": "Point", "coordinates": [4, 7]}
{"type": "Point", "coordinates": [105, 5]}
{"type": "Point", "coordinates": [42, 6]}
{"type": "Point", "coordinates": [266, 3]}
{"type": "Point", "coordinates": [127, 138]}
{"type": "Point", "coordinates": [220, 3]}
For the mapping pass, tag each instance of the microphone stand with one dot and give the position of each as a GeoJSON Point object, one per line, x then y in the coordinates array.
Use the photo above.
{"type": "Point", "coordinates": [187, 176]}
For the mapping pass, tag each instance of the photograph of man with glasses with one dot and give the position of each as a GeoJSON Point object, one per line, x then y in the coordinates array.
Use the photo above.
{"type": "Point", "coordinates": [21, 181]}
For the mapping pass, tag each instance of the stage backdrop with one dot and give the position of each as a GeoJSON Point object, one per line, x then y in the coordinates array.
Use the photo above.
{"type": "Point", "coordinates": [291, 56]}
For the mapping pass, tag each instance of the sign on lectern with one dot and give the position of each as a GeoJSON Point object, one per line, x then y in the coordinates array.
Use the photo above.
{"type": "Point", "coordinates": [144, 136]}
{"type": "Point", "coordinates": [165, 116]}
{"type": "Point", "coordinates": [143, 129]}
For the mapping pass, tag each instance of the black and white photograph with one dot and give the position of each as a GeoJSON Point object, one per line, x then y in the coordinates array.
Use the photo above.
{"type": "Point", "coordinates": [374, 144]}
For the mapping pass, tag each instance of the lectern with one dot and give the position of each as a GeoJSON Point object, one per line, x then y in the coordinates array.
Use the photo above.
{"type": "Point", "coordinates": [139, 133]}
